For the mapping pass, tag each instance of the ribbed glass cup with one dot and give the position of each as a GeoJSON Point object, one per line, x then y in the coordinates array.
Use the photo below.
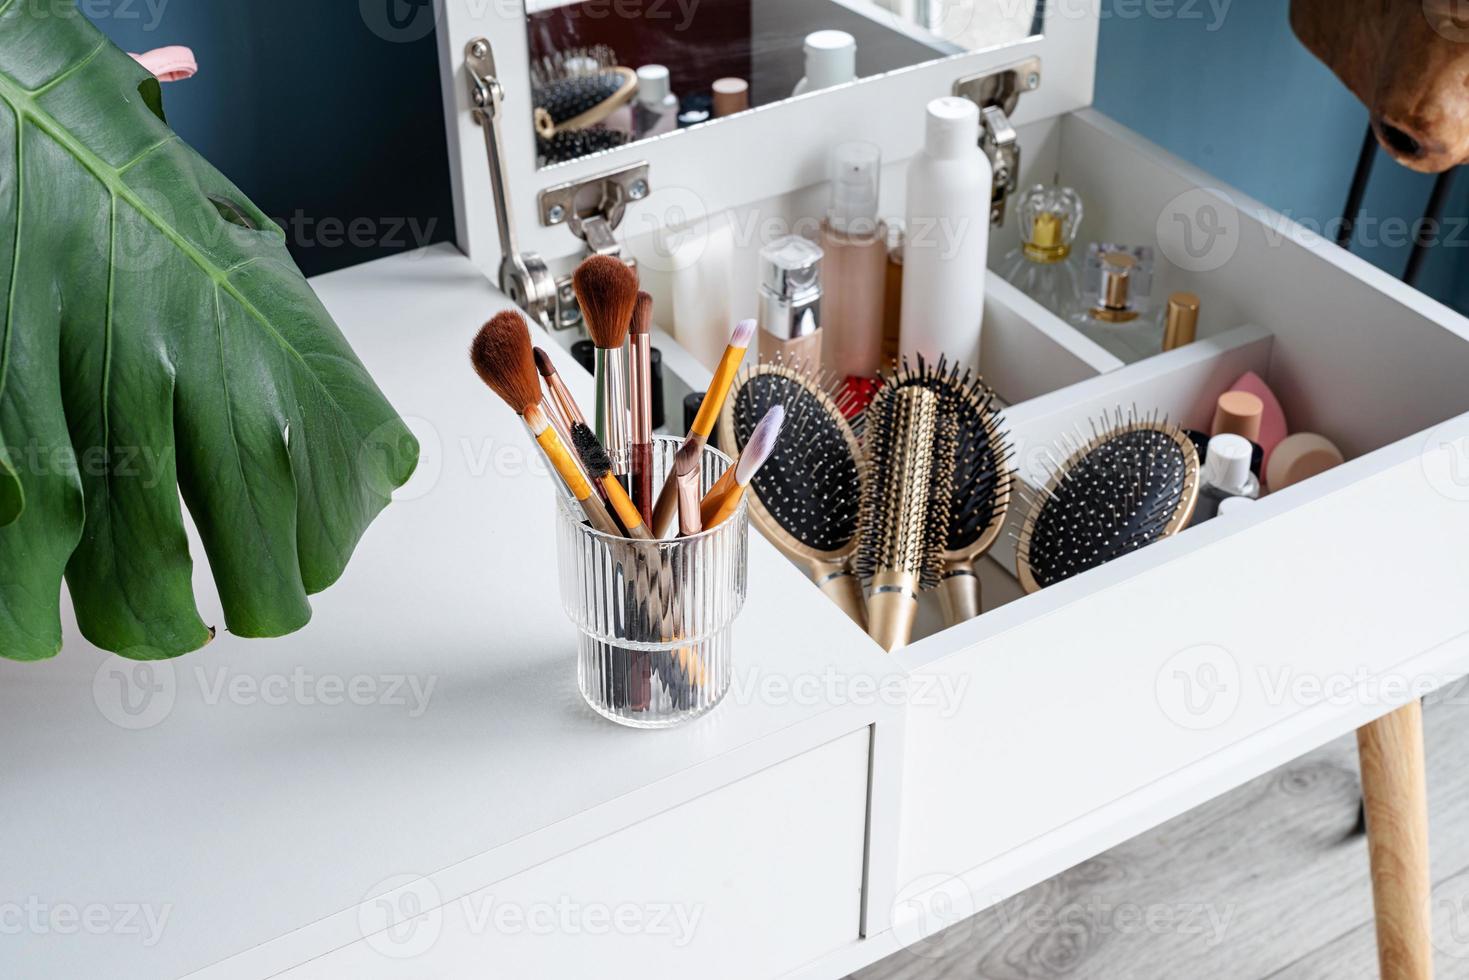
{"type": "Point", "coordinates": [654, 618]}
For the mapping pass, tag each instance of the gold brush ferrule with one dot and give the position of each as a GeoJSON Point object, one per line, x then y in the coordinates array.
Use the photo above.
{"type": "Point", "coordinates": [892, 609]}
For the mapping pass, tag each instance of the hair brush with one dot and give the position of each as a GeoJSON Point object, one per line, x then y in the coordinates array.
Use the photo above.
{"type": "Point", "coordinates": [905, 506]}
{"type": "Point", "coordinates": [983, 475]}
{"type": "Point", "coordinates": [575, 90]}
{"type": "Point", "coordinates": [1133, 482]}
{"type": "Point", "coordinates": [575, 144]}
{"type": "Point", "coordinates": [805, 498]}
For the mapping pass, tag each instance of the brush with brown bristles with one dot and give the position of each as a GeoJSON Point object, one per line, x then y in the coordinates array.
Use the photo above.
{"type": "Point", "coordinates": [608, 291]}
{"type": "Point", "coordinates": [501, 354]}
{"type": "Point", "coordinates": [641, 396]}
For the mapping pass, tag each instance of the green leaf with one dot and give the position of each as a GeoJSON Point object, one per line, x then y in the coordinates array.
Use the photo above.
{"type": "Point", "coordinates": [153, 348]}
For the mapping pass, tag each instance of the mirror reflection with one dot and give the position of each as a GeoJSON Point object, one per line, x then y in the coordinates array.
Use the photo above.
{"type": "Point", "coordinates": [610, 72]}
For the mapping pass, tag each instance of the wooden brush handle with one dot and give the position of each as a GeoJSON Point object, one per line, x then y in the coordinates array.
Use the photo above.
{"type": "Point", "coordinates": [959, 594]}
{"type": "Point", "coordinates": [841, 586]}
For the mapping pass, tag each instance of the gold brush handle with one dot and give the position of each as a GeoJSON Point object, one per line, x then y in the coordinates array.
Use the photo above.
{"type": "Point", "coordinates": [959, 595]}
{"type": "Point", "coordinates": [892, 609]}
{"type": "Point", "coordinates": [841, 586]}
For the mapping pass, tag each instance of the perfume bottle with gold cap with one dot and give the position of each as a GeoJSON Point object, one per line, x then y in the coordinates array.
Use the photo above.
{"type": "Point", "coordinates": [1115, 312]}
{"type": "Point", "coordinates": [1042, 266]}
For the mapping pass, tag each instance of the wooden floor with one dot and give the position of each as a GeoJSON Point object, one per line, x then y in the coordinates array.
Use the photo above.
{"type": "Point", "coordinates": [1270, 880]}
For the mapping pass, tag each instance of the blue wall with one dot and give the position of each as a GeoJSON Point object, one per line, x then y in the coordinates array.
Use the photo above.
{"type": "Point", "coordinates": [1240, 97]}
{"type": "Point", "coordinates": [326, 113]}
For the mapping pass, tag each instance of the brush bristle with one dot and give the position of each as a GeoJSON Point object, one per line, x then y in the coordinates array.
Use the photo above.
{"type": "Point", "coordinates": [1132, 482]}
{"type": "Point", "coordinates": [812, 483]}
{"type": "Point", "coordinates": [501, 354]}
{"type": "Point", "coordinates": [608, 291]}
{"type": "Point", "coordinates": [762, 443]}
{"type": "Point", "coordinates": [982, 452]}
{"type": "Point", "coordinates": [593, 456]}
{"type": "Point", "coordinates": [642, 315]}
{"type": "Point", "coordinates": [743, 333]}
{"type": "Point", "coordinates": [905, 504]}
{"type": "Point", "coordinates": [544, 364]}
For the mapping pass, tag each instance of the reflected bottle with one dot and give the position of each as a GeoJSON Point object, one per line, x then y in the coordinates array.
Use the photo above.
{"type": "Point", "coordinates": [831, 59]}
{"type": "Point", "coordinates": [1043, 266]}
{"type": "Point", "coordinates": [854, 271]}
{"type": "Point", "coordinates": [655, 111]}
{"type": "Point", "coordinates": [1115, 311]}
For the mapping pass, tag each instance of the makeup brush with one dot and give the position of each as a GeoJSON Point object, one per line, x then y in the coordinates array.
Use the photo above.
{"type": "Point", "coordinates": [1133, 481]}
{"type": "Point", "coordinates": [501, 354]}
{"type": "Point", "coordinates": [666, 509]}
{"type": "Point", "coordinates": [725, 496]}
{"type": "Point", "coordinates": [560, 394]}
{"type": "Point", "coordinates": [904, 507]}
{"type": "Point", "coordinates": [805, 499]}
{"type": "Point", "coordinates": [599, 468]}
{"type": "Point", "coordinates": [983, 473]}
{"type": "Point", "coordinates": [608, 290]}
{"type": "Point", "coordinates": [641, 396]}
{"type": "Point", "coordinates": [686, 475]}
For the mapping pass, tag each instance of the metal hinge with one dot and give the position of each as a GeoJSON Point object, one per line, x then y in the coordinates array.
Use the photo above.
{"type": "Point", "coordinates": [591, 208]}
{"type": "Point", "coordinates": [997, 93]}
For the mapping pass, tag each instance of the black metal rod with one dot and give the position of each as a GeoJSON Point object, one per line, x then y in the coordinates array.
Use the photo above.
{"type": "Point", "coordinates": [1428, 229]}
{"type": "Point", "coordinates": [1360, 179]}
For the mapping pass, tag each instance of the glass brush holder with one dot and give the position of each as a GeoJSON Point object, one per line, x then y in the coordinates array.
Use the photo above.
{"type": "Point", "coordinates": [654, 619]}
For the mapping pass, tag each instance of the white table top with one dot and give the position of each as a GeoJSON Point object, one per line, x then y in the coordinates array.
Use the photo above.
{"type": "Point", "coordinates": [426, 723]}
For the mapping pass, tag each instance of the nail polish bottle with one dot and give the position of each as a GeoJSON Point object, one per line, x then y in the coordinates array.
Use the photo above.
{"type": "Point", "coordinates": [790, 302]}
{"type": "Point", "coordinates": [854, 271]}
{"type": "Point", "coordinates": [1115, 311]}
{"type": "Point", "coordinates": [1043, 265]}
{"type": "Point", "coordinates": [1226, 473]}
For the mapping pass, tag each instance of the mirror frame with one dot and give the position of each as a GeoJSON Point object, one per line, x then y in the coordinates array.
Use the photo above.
{"type": "Point", "coordinates": [766, 152]}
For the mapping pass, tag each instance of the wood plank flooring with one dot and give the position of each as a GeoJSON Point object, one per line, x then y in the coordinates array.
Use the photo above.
{"type": "Point", "coordinates": [1269, 881]}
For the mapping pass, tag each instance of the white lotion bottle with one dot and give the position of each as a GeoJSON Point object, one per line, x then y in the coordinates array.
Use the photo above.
{"type": "Point", "coordinates": [948, 234]}
{"type": "Point", "coordinates": [831, 59]}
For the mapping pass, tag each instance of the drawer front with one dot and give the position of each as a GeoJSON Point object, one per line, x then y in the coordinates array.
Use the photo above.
{"type": "Point", "coordinates": [1120, 699]}
{"type": "Point", "coordinates": [745, 882]}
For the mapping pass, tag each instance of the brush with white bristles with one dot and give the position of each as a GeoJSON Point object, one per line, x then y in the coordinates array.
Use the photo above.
{"type": "Point", "coordinates": [725, 496]}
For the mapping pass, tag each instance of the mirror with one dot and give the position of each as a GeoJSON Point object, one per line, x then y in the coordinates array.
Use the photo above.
{"type": "Point", "coordinates": [606, 73]}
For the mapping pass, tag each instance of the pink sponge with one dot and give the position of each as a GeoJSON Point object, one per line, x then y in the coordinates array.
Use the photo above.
{"type": "Point", "coordinates": [1272, 423]}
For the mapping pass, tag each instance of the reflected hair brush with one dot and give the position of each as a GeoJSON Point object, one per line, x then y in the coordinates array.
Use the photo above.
{"type": "Point", "coordinates": [805, 498]}
{"type": "Point", "coordinates": [1134, 481]}
{"type": "Point", "coordinates": [983, 475]}
{"type": "Point", "coordinates": [905, 506]}
{"type": "Point", "coordinates": [574, 90]}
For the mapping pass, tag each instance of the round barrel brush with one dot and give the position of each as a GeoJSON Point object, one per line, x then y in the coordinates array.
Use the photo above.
{"type": "Point", "coordinates": [1133, 481]}
{"type": "Point", "coordinates": [983, 475]}
{"type": "Point", "coordinates": [805, 498]}
{"type": "Point", "coordinates": [905, 507]}
{"type": "Point", "coordinates": [608, 292]}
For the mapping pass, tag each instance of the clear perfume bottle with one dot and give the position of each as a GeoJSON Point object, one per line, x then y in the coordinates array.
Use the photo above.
{"type": "Point", "coordinates": [1043, 266]}
{"type": "Point", "coordinates": [1115, 311]}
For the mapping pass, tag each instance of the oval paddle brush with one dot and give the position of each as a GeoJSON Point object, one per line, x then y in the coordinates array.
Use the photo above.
{"type": "Point", "coordinates": [983, 475]}
{"type": "Point", "coordinates": [805, 498]}
{"type": "Point", "coordinates": [905, 507]}
{"type": "Point", "coordinates": [1133, 482]}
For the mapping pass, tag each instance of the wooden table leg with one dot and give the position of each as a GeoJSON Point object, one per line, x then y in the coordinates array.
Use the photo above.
{"type": "Point", "coordinates": [1394, 786]}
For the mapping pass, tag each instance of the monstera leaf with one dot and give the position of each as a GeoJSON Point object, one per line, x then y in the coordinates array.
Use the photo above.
{"type": "Point", "coordinates": [155, 337]}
